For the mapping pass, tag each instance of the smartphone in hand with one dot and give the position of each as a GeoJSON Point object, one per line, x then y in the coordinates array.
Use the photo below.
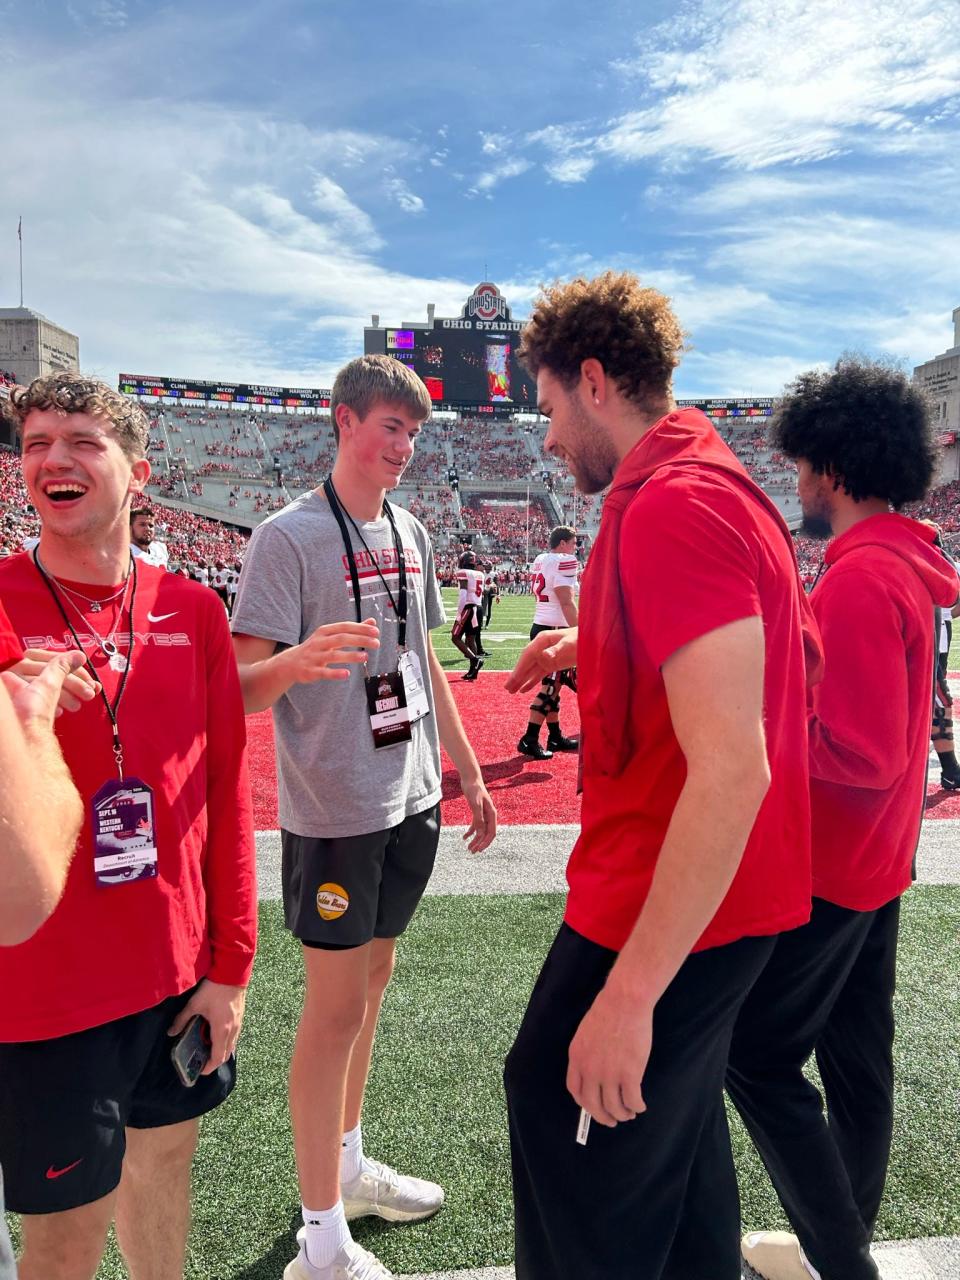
{"type": "Point", "coordinates": [191, 1050]}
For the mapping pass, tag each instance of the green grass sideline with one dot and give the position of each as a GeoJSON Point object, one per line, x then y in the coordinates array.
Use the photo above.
{"type": "Point", "coordinates": [435, 1104]}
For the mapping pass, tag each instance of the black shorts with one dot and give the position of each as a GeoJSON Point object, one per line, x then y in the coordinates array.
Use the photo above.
{"type": "Point", "coordinates": [542, 626]}
{"type": "Point", "coordinates": [467, 620]}
{"type": "Point", "coordinates": [65, 1105]}
{"type": "Point", "coordinates": [347, 890]}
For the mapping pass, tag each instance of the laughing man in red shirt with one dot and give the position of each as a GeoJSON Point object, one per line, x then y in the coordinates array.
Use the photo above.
{"type": "Point", "coordinates": [863, 444]}
{"type": "Point", "coordinates": [695, 844]}
{"type": "Point", "coordinates": [158, 916]}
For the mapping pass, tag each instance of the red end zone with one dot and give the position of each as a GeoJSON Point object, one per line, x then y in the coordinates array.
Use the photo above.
{"type": "Point", "coordinates": [525, 791]}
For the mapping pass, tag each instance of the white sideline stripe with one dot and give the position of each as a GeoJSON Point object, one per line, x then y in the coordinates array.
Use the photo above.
{"type": "Point", "coordinates": [533, 859]}
{"type": "Point", "coordinates": [930, 1259]}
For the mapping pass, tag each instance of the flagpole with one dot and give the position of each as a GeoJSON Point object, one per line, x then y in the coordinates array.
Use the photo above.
{"type": "Point", "coordinates": [20, 238]}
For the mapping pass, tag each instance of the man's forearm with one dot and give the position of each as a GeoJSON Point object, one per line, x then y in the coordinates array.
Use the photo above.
{"type": "Point", "coordinates": [702, 850]}
{"type": "Point", "coordinates": [264, 683]}
{"type": "Point", "coordinates": [571, 614]}
{"type": "Point", "coordinates": [449, 725]}
{"type": "Point", "coordinates": [40, 834]}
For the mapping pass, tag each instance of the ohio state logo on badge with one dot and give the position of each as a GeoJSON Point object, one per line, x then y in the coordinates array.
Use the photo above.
{"type": "Point", "coordinates": [332, 901]}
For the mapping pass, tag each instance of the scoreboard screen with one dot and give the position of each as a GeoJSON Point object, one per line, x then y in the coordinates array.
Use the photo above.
{"type": "Point", "coordinates": [470, 369]}
{"type": "Point", "coordinates": [134, 384]}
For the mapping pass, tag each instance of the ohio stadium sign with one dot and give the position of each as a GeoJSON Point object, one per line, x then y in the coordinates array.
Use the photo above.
{"type": "Point", "coordinates": [486, 308]}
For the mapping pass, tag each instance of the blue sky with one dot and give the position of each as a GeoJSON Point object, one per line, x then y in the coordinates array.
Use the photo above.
{"type": "Point", "coordinates": [221, 190]}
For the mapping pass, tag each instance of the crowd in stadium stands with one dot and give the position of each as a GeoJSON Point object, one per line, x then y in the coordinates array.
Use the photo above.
{"type": "Point", "coordinates": [505, 525]}
{"type": "Point", "coordinates": [942, 507]}
{"type": "Point", "coordinates": [245, 447]}
{"type": "Point", "coordinates": [17, 518]}
{"type": "Point", "coordinates": [7, 379]}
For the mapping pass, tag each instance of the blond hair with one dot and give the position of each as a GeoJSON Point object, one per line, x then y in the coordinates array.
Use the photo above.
{"type": "Point", "coordinates": [71, 392]}
{"type": "Point", "coordinates": [371, 380]}
{"type": "Point", "coordinates": [630, 329]}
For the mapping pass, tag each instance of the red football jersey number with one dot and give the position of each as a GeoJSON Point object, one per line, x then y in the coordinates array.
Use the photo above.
{"type": "Point", "coordinates": [540, 588]}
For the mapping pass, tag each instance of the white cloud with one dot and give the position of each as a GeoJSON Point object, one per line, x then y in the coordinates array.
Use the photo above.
{"type": "Point", "coordinates": [485, 184]}
{"type": "Point", "coordinates": [492, 144]}
{"type": "Point", "coordinates": [181, 269]}
{"type": "Point", "coordinates": [329, 198]}
{"type": "Point", "coordinates": [570, 160]}
{"type": "Point", "coordinates": [741, 371]}
{"type": "Point", "coordinates": [755, 85]}
{"type": "Point", "coordinates": [405, 198]}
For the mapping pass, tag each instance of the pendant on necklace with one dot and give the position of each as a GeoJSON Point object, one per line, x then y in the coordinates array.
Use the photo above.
{"type": "Point", "coordinates": [109, 649]}
{"type": "Point", "coordinates": [96, 607]}
{"type": "Point", "coordinates": [117, 662]}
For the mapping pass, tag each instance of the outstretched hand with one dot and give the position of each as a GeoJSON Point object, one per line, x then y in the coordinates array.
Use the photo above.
{"type": "Point", "coordinates": [39, 686]}
{"type": "Point", "coordinates": [547, 652]}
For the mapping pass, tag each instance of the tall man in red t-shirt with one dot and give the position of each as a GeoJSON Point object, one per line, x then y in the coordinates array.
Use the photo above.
{"type": "Point", "coordinates": [157, 919]}
{"type": "Point", "coordinates": [695, 844]}
{"type": "Point", "coordinates": [863, 443]}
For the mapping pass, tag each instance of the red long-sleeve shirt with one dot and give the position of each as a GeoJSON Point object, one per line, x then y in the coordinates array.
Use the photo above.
{"type": "Point", "coordinates": [870, 719]}
{"type": "Point", "coordinates": [10, 651]}
{"type": "Point", "coordinates": [110, 951]}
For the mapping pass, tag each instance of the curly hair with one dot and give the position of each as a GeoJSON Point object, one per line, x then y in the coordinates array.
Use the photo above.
{"type": "Point", "coordinates": [864, 423]}
{"type": "Point", "coordinates": [614, 319]}
{"type": "Point", "coordinates": [71, 392]}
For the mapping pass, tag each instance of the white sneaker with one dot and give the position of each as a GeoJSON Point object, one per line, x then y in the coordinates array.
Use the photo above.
{"type": "Point", "coordinates": [773, 1255]}
{"type": "Point", "coordinates": [379, 1190]}
{"type": "Point", "coordinates": [353, 1262]}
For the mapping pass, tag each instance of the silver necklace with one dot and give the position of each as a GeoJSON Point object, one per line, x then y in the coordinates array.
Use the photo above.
{"type": "Point", "coordinates": [106, 644]}
{"type": "Point", "coordinates": [96, 606]}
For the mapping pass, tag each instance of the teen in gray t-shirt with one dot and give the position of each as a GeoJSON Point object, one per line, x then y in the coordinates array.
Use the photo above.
{"type": "Point", "coordinates": [295, 578]}
{"type": "Point", "coordinates": [360, 824]}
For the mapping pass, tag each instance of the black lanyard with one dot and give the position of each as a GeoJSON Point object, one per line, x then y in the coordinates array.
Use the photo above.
{"type": "Point", "coordinates": [113, 707]}
{"type": "Point", "coordinates": [400, 604]}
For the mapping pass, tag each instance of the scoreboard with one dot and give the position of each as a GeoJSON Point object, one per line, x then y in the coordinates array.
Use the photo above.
{"type": "Point", "coordinates": [134, 384]}
{"type": "Point", "coordinates": [468, 363]}
{"type": "Point", "coordinates": [756, 407]}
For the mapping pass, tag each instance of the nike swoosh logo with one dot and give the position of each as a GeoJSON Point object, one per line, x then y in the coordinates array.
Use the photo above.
{"type": "Point", "coordinates": [58, 1173]}
{"type": "Point", "coordinates": [161, 617]}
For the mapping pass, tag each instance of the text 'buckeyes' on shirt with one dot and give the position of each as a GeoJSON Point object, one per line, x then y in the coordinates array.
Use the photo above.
{"type": "Point", "coordinates": [550, 570]}
{"type": "Point", "coordinates": [296, 577]}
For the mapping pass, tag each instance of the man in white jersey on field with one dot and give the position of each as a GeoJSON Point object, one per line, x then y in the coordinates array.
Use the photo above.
{"type": "Point", "coordinates": [465, 632]}
{"type": "Point", "coordinates": [554, 584]}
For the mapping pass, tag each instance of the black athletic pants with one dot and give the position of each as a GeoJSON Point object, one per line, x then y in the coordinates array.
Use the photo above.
{"type": "Point", "coordinates": [828, 990]}
{"type": "Point", "coordinates": [608, 1210]}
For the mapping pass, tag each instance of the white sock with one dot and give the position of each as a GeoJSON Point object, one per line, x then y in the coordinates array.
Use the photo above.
{"type": "Point", "coordinates": [327, 1233]}
{"type": "Point", "coordinates": [809, 1265]}
{"type": "Point", "coordinates": [351, 1155]}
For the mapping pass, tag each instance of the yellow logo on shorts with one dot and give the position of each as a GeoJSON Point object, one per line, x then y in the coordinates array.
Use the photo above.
{"type": "Point", "coordinates": [332, 901]}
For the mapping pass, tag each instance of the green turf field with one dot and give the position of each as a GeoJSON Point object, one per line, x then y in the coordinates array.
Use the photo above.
{"type": "Point", "coordinates": [435, 1103]}
{"type": "Point", "coordinates": [510, 627]}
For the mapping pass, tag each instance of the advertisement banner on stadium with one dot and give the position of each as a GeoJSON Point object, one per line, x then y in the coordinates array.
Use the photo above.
{"type": "Point", "coordinates": [134, 384]}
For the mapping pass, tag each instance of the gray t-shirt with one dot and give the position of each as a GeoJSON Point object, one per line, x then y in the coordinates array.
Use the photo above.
{"type": "Point", "coordinates": [296, 577]}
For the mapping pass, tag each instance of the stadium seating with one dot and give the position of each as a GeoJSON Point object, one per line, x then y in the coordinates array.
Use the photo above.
{"type": "Point", "coordinates": [214, 465]}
